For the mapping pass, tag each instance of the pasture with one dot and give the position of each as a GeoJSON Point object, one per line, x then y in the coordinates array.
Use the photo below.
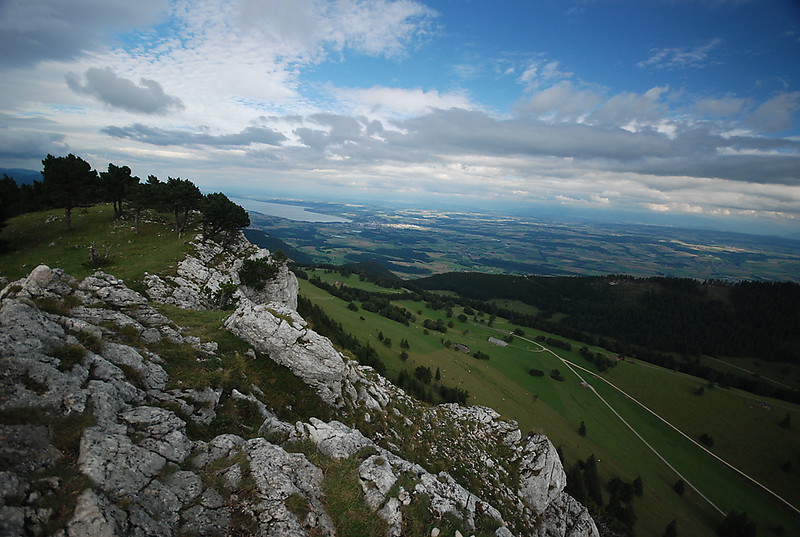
{"type": "Point", "coordinates": [742, 434]}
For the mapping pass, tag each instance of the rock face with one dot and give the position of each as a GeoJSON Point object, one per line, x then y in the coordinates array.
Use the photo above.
{"type": "Point", "coordinates": [92, 422]}
{"type": "Point", "coordinates": [200, 277]}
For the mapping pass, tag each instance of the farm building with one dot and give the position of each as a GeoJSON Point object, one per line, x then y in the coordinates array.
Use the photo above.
{"type": "Point", "coordinates": [498, 342]}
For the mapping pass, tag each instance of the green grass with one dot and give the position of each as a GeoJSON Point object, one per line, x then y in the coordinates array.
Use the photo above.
{"type": "Point", "coordinates": [31, 242]}
{"type": "Point", "coordinates": [351, 280]}
{"type": "Point", "coordinates": [342, 494]}
{"type": "Point", "coordinates": [556, 408]}
{"type": "Point", "coordinates": [741, 426]}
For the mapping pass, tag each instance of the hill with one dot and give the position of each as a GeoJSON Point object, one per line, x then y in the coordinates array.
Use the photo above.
{"type": "Point", "coordinates": [643, 422]}
{"type": "Point", "coordinates": [22, 176]}
{"type": "Point", "coordinates": [140, 407]}
{"type": "Point", "coordinates": [267, 241]}
{"type": "Point", "coordinates": [637, 316]}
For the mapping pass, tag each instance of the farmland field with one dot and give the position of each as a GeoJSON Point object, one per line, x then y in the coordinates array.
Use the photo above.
{"type": "Point", "coordinates": [416, 242]}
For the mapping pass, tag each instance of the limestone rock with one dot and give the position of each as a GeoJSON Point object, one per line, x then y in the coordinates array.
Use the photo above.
{"type": "Point", "coordinates": [201, 275]}
{"type": "Point", "coordinates": [542, 477]}
{"type": "Point", "coordinates": [164, 433]}
{"type": "Point", "coordinates": [566, 517]}
{"type": "Point", "coordinates": [335, 439]}
{"type": "Point", "coordinates": [278, 476]}
{"type": "Point", "coordinates": [42, 282]}
{"type": "Point", "coordinates": [282, 334]}
{"type": "Point", "coordinates": [116, 464]}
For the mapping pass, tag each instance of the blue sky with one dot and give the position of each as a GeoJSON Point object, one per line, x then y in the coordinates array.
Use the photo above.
{"type": "Point", "coordinates": [675, 109]}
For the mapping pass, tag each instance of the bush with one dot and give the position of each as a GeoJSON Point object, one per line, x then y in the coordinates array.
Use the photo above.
{"type": "Point", "coordinates": [256, 273]}
{"type": "Point", "coordinates": [536, 373]}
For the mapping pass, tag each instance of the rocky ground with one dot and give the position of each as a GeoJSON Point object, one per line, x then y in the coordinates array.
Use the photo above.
{"type": "Point", "coordinates": [96, 438]}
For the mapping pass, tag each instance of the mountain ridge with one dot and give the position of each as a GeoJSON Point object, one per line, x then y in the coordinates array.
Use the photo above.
{"type": "Point", "coordinates": [96, 349]}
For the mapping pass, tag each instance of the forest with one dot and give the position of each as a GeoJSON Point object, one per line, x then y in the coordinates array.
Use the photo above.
{"type": "Point", "coordinates": [679, 315]}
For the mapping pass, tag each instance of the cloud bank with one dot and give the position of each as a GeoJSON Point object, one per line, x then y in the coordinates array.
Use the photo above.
{"type": "Point", "coordinates": [313, 95]}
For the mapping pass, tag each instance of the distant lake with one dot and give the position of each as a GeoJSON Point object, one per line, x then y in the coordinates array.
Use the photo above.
{"type": "Point", "coordinates": [290, 212]}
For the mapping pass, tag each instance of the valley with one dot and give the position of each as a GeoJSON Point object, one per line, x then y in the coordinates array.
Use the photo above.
{"type": "Point", "coordinates": [415, 242]}
{"type": "Point", "coordinates": [639, 420]}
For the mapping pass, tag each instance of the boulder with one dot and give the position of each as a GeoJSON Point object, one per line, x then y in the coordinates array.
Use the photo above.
{"type": "Point", "coordinates": [282, 334]}
{"type": "Point", "coordinates": [542, 477]}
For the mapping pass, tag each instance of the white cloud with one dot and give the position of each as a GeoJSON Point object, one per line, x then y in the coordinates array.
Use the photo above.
{"type": "Point", "coordinates": [682, 57]}
{"type": "Point", "coordinates": [629, 110]}
{"type": "Point", "coordinates": [389, 102]}
{"type": "Point", "coordinates": [32, 31]}
{"type": "Point", "coordinates": [561, 102]}
{"type": "Point", "coordinates": [721, 107]}
{"type": "Point", "coordinates": [542, 71]}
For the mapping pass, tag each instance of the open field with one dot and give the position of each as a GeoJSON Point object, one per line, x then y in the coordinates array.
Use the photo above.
{"type": "Point", "coordinates": [736, 421]}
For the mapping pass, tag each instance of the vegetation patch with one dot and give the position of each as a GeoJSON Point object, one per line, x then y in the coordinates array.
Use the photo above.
{"type": "Point", "coordinates": [256, 273]}
{"type": "Point", "coordinates": [68, 356]}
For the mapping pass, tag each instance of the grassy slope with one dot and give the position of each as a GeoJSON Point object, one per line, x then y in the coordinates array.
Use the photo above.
{"type": "Point", "coordinates": [32, 241]}
{"type": "Point", "coordinates": [557, 408]}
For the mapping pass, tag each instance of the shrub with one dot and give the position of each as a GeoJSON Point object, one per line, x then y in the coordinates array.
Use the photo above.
{"type": "Point", "coordinates": [256, 273]}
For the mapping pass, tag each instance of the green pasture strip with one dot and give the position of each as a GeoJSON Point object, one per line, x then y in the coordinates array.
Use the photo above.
{"type": "Point", "coordinates": [725, 488]}
{"type": "Point", "coordinates": [779, 373]}
{"type": "Point", "coordinates": [32, 241]}
{"type": "Point", "coordinates": [740, 423]}
{"type": "Point", "coordinates": [515, 305]}
{"type": "Point", "coordinates": [351, 280]}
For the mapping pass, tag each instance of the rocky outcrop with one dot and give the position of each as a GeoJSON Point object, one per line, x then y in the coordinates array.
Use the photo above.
{"type": "Point", "coordinates": [100, 439]}
{"type": "Point", "coordinates": [201, 277]}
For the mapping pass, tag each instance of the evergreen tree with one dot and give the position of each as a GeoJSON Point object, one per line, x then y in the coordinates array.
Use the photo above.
{"type": "Point", "coordinates": [592, 480]}
{"type": "Point", "coordinates": [671, 530]}
{"type": "Point", "coordinates": [181, 197]}
{"type": "Point", "coordinates": [638, 487]}
{"type": "Point", "coordinates": [737, 525]}
{"type": "Point", "coordinates": [575, 484]}
{"type": "Point", "coordinates": [117, 184]}
{"type": "Point", "coordinates": [69, 182]}
{"type": "Point", "coordinates": [9, 199]}
{"type": "Point", "coordinates": [221, 215]}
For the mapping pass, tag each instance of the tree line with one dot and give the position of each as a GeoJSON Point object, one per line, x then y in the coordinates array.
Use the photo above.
{"type": "Point", "coordinates": [679, 315]}
{"type": "Point", "coordinates": [69, 182]}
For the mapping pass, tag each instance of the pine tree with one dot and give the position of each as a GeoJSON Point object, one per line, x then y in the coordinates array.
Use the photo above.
{"type": "Point", "coordinates": [592, 480]}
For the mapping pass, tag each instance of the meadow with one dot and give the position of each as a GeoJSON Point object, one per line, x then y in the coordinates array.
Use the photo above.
{"type": "Point", "coordinates": [34, 238]}
{"type": "Point", "coordinates": [745, 429]}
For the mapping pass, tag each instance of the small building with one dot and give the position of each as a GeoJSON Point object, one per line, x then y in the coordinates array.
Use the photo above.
{"type": "Point", "coordinates": [461, 347]}
{"type": "Point", "coordinates": [498, 342]}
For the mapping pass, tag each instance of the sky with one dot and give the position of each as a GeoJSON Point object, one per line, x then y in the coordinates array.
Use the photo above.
{"type": "Point", "coordinates": [657, 110]}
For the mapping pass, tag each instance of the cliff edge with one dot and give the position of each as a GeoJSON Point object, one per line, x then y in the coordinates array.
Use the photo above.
{"type": "Point", "coordinates": [116, 421]}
